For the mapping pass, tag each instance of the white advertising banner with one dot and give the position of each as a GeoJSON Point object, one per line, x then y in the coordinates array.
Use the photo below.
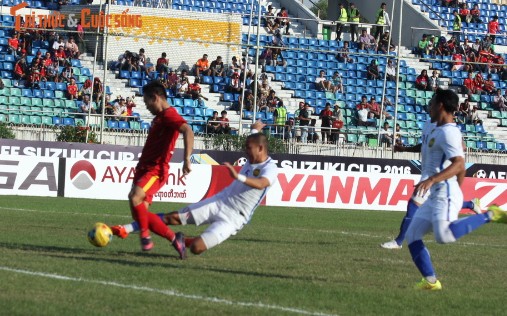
{"type": "Point", "coordinates": [342, 190]}
{"type": "Point", "coordinates": [28, 176]}
{"type": "Point", "coordinates": [110, 179]}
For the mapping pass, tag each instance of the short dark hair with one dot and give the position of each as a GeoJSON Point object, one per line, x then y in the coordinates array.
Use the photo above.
{"type": "Point", "coordinates": [223, 112]}
{"type": "Point", "coordinates": [154, 88]}
{"type": "Point", "coordinates": [448, 98]}
{"type": "Point", "coordinates": [258, 138]}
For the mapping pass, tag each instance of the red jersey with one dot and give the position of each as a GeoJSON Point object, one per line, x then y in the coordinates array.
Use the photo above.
{"type": "Point", "coordinates": [159, 147]}
{"type": "Point", "coordinates": [72, 89]}
{"type": "Point", "coordinates": [470, 84]}
{"type": "Point", "coordinates": [493, 27]}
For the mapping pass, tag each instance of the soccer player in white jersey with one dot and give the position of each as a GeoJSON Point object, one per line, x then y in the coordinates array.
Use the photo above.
{"type": "Point", "coordinates": [228, 211]}
{"type": "Point", "coordinates": [416, 201]}
{"type": "Point", "coordinates": [444, 165]}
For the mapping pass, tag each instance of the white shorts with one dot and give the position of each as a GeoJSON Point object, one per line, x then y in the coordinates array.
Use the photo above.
{"type": "Point", "coordinates": [443, 204]}
{"type": "Point", "coordinates": [223, 222]}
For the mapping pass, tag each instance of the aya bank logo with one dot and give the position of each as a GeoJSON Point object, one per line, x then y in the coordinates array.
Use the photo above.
{"type": "Point", "coordinates": [82, 174]}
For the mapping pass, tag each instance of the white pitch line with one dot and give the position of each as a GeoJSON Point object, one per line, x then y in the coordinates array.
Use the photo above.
{"type": "Point", "coordinates": [166, 292]}
{"type": "Point", "coordinates": [55, 212]}
{"type": "Point", "coordinates": [288, 228]}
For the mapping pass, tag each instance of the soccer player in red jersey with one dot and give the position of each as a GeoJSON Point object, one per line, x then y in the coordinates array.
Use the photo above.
{"type": "Point", "coordinates": [153, 167]}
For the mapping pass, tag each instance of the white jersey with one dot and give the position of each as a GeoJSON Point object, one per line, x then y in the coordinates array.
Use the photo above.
{"type": "Point", "coordinates": [426, 131]}
{"type": "Point", "coordinates": [443, 143]}
{"type": "Point", "coordinates": [242, 198]}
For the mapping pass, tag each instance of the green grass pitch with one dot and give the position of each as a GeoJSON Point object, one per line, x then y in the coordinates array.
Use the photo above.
{"type": "Point", "coordinates": [287, 261]}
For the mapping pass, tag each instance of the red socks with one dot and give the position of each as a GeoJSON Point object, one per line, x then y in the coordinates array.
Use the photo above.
{"type": "Point", "coordinates": [153, 222]}
{"type": "Point", "coordinates": [189, 241]}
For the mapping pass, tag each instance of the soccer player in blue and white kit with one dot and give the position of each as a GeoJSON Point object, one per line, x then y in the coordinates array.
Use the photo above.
{"type": "Point", "coordinates": [228, 211]}
{"type": "Point", "coordinates": [415, 200]}
{"type": "Point", "coordinates": [444, 164]}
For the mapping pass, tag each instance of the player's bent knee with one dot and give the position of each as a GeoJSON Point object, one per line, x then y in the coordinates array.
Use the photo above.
{"type": "Point", "coordinates": [198, 246]}
{"type": "Point", "coordinates": [172, 218]}
{"type": "Point", "coordinates": [443, 234]}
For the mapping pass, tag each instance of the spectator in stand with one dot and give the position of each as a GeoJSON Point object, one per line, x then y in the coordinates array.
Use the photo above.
{"type": "Point", "coordinates": [51, 72]}
{"type": "Point", "coordinates": [387, 135]}
{"type": "Point", "coordinates": [224, 123]}
{"type": "Point", "coordinates": [471, 65]}
{"type": "Point", "coordinates": [469, 85]}
{"type": "Point", "coordinates": [337, 122]}
{"type": "Point", "coordinates": [235, 85]}
{"type": "Point", "coordinates": [479, 83]}
{"type": "Point", "coordinates": [503, 73]}
{"type": "Point", "coordinates": [130, 105]}
{"type": "Point", "coordinates": [202, 66]}
{"type": "Point", "coordinates": [375, 110]}
{"type": "Point", "coordinates": [489, 86]}
{"type": "Point", "coordinates": [343, 55]}
{"type": "Point", "coordinates": [162, 78]}
{"type": "Point", "coordinates": [476, 15]}
{"type": "Point", "coordinates": [282, 18]}
{"type": "Point", "coordinates": [390, 71]}
{"type": "Point", "coordinates": [385, 44]}
{"type": "Point", "coordinates": [217, 67]}
{"type": "Point", "coordinates": [47, 60]}
{"type": "Point", "coordinates": [372, 71]}
{"type": "Point", "coordinates": [422, 46]}
{"type": "Point", "coordinates": [57, 43]}
{"type": "Point", "coordinates": [435, 82]}
{"type": "Point", "coordinates": [234, 66]}
{"type": "Point", "coordinates": [465, 47]}
{"type": "Point", "coordinates": [280, 117]}
{"type": "Point", "coordinates": [473, 117]}
{"type": "Point", "coordinates": [326, 116]}
{"type": "Point", "coordinates": [33, 78]}
{"type": "Point", "coordinates": [397, 135]}
{"type": "Point", "coordinates": [213, 125]}
{"type": "Point", "coordinates": [304, 122]}
{"type": "Point", "coordinates": [266, 58]}
{"type": "Point", "coordinates": [72, 89]}
{"type": "Point", "coordinates": [172, 81]}
{"type": "Point", "coordinates": [355, 18]}
{"type": "Point", "coordinates": [381, 18]}
{"type": "Point", "coordinates": [67, 73]}
{"type": "Point", "coordinates": [162, 63]}
{"type": "Point", "coordinates": [13, 45]}
{"type": "Point", "coordinates": [363, 117]}
{"type": "Point", "coordinates": [60, 56]}
{"type": "Point", "coordinates": [342, 19]}
{"type": "Point", "coordinates": [364, 101]}
{"type": "Point", "coordinates": [98, 90]}
{"type": "Point", "coordinates": [458, 61]}
{"type": "Point", "coordinates": [71, 49]}
{"type": "Point", "coordinates": [270, 19]}
{"type": "Point", "coordinates": [20, 69]}
{"type": "Point", "coordinates": [432, 45]}
{"type": "Point", "coordinates": [476, 46]}
{"type": "Point", "coordinates": [86, 90]}
{"type": "Point", "coordinates": [498, 64]}
{"type": "Point", "coordinates": [182, 88]}
{"type": "Point", "coordinates": [87, 106]}
{"type": "Point", "coordinates": [422, 82]}
{"type": "Point", "coordinates": [120, 109]}
{"type": "Point", "coordinates": [499, 101]}
{"type": "Point", "coordinates": [456, 26]}
{"type": "Point", "coordinates": [337, 82]}
{"type": "Point", "coordinates": [367, 41]}
{"type": "Point", "coordinates": [464, 13]}
{"type": "Point", "coordinates": [322, 83]}
{"type": "Point", "coordinates": [80, 41]}
{"type": "Point", "coordinates": [449, 3]}
{"type": "Point", "coordinates": [461, 115]}
{"type": "Point", "coordinates": [493, 28]}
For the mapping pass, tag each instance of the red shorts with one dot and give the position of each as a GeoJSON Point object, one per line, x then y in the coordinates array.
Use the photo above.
{"type": "Point", "coordinates": [150, 182]}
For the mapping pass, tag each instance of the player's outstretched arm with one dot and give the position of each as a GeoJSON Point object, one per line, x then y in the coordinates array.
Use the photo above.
{"type": "Point", "coordinates": [454, 169]}
{"type": "Point", "coordinates": [188, 143]}
{"type": "Point", "coordinates": [256, 183]}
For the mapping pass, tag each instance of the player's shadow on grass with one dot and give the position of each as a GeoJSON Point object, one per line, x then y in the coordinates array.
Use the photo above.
{"type": "Point", "coordinates": [91, 255]}
{"type": "Point", "coordinates": [291, 242]}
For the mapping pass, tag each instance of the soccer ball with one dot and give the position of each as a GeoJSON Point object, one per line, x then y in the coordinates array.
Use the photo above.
{"type": "Point", "coordinates": [481, 174]}
{"type": "Point", "coordinates": [100, 235]}
{"type": "Point", "coordinates": [241, 162]}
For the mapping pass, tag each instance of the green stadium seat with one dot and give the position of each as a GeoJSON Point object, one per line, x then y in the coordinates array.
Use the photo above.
{"type": "Point", "coordinates": [26, 101]}
{"type": "Point", "coordinates": [15, 100]}
{"type": "Point", "coordinates": [411, 124]}
{"type": "Point", "coordinates": [24, 119]}
{"type": "Point", "coordinates": [79, 122]}
{"type": "Point", "coordinates": [496, 114]}
{"type": "Point", "coordinates": [35, 120]}
{"type": "Point", "coordinates": [77, 71]}
{"type": "Point", "coordinates": [47, 120]}
{"type": "Point", "coordinates": [135, 125]}
{"type": "Point", "coordinates": [471, 144]}
{"type": "Point", "coordinates": [59, 94]}
{"type": "Point", "coordinates": [37, 102]}
{"type": "Point", "coordinates": [7, 82]}
{"type": "Point", "coordinates": [47, 111]}
{"type": "Point", "coordinates": [361, 138]}
{"type": "Point", "coordinates": [3, 118]}
{"type": "Point", "coordinates": [372, 142]}
{"type": "Point", "coordinates": [409, 85]}
{"type": "Point", "coordinates": [411, 117]}
{"type": "Point", "coordinates": [411, 93]}
{"type": "Point", "coordinates": [503, 122]}
{"type": "Point", "coordinates": [412, 141]}
{"type": "Point", "coordinates": [71, 105]}
{"type": "Point", "coordinates": [48, 103]}
{"type": "Point", "coordinates": [35, 110]}
{"type": "Point", "coordinates": [504, 114]}
{"type": "Point", "coordinates": [59, 103]}
{"type": "Point", "coordinates": [4, 109]}
{"type": "Point", "coordinates": [476, 98]}
{"type": "Point", "coordinates": [15, 92]}
{"type": "Point", "coordinates": [14, 119]}
{"type": "Point", "coordinates": [4, 100]}
{"type": "Point", "coordinates": [491, 145]}
{"type": "Point", "coordinates": [14, 109]}
{"type": "Point", "coordinates": [352, 138]}
{"type": "Point", "coordinates": [5, 91]}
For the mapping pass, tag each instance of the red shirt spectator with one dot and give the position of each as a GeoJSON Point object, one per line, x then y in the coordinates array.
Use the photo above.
{"type": "Point", "coordinates": [479, 81]}
{"type": "Point", "coordinates": [493, 27]}
{"type": "Point", "coordinates": [489, 85]}
{"type": "Point", "coordinates": [469, 83]}
{"type": "Point", "coordinates": [72, 89]}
